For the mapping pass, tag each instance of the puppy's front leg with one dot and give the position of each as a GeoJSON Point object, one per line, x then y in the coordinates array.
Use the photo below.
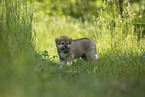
{"type": "Point", "coordinates": [62, 62]}
{"type": "Point", "coordinates": [69, 60]}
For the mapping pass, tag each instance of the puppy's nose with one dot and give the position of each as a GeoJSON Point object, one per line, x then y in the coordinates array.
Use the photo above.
{"type": "Point", "coordinates": [65, 46]}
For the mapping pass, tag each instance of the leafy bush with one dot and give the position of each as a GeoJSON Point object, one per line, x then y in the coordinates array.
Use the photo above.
{"type": "Point", "coordinates": [75, 8]}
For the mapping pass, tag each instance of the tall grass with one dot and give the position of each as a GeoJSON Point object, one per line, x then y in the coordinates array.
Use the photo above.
{"type": "Point", "coordinates": [16, 48]}
{"type": "Point", "coordinates": [115, 31]}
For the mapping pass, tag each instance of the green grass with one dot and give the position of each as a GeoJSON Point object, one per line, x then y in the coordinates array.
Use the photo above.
{"type": "Point", "coordinates": [26, 70]}
{"type": "Point", "coordinates": [119, 71]}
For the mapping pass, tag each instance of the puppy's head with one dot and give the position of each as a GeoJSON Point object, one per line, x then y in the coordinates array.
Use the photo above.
{"type": "Point", "coordinates": [63, 43]}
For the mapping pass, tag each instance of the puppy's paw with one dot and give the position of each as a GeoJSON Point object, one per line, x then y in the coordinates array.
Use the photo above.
{"type": "Point", "coordinates": [96, 56]}
{"type": "Point", "coordinates": [69, 63]}
{"type": "Point", "coordinates": [63, 63]}
{"type": "Point", "coordinates": [60, 66]}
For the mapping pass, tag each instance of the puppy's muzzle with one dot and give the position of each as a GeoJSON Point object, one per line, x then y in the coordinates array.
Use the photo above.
{"type": "Point", "coordinates": [65, 47]}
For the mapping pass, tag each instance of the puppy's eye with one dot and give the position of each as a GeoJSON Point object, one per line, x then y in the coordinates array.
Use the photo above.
{"type": "Point", "coordinates": [67, 42]}
{"type": "Point", "coordinates": [62, 43]}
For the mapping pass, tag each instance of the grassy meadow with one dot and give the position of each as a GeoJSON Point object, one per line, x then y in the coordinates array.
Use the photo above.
{"type": "Point", "coordinates": [29, 65]}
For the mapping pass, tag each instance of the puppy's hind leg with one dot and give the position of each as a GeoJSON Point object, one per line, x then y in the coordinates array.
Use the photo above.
{"type": "Point", "coordinates": [84, 57]}
{"type": "Point", "coordinates": [92, 56]}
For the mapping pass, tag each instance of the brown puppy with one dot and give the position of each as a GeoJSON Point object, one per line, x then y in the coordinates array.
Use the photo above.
{"type": "Point", "coordinates": [69, 49]}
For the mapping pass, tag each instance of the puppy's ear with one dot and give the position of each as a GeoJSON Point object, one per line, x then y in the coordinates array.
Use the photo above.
{"type": "Point", "coordinates": [57, 40]}
{"type": "Point", "coordinates": [70, 39]}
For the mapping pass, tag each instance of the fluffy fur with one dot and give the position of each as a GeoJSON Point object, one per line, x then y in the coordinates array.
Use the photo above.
{"type": "Point", "coordinates": [69, 49]}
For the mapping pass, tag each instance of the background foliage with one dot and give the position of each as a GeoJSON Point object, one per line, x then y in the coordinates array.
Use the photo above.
{"type": "Point", "coordinates": [28, 58]}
